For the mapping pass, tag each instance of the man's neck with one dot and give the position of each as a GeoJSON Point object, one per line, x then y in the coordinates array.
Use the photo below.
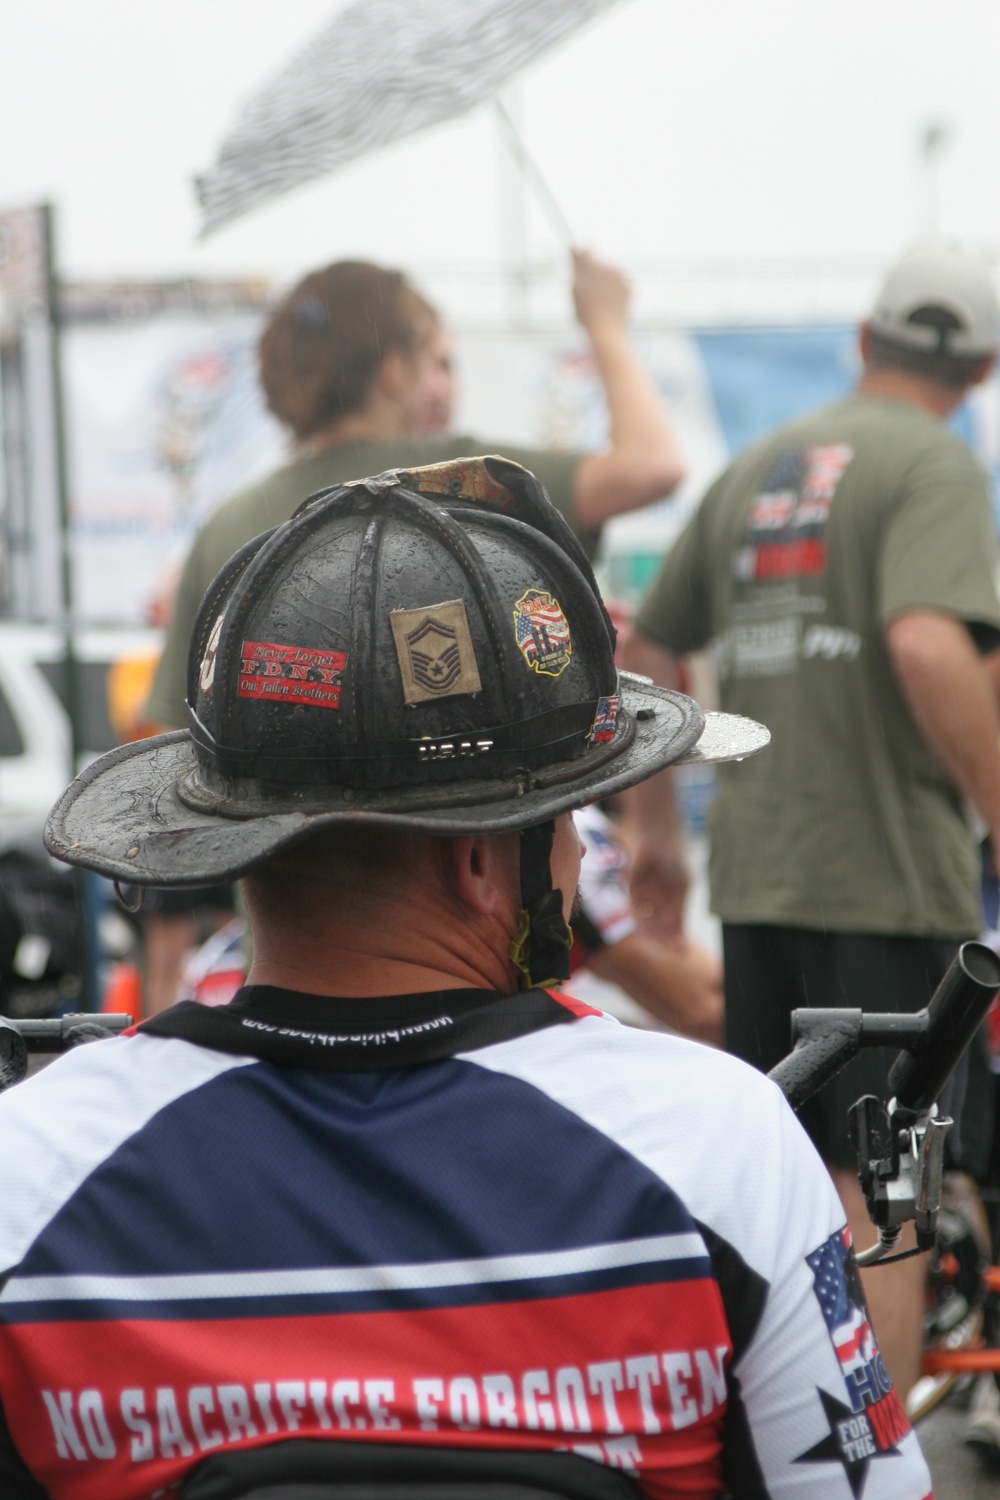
{"type": "Point", "coordinates": [341, 958]}
{"type": "Point", "coordinates": [899, 385]}
{"type": "Point", "coordinates": [361, 982]}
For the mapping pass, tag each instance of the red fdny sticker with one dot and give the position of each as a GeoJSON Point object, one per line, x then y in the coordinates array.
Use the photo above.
{"type": "Point", "coordinates": [542, 632]}
{"type": "Point", "coordinates": [291, 674]}
{"type": "Point", "coordinates": [604, 721]}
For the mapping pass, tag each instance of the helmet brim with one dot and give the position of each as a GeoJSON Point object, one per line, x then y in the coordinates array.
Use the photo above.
{"type": "Point", "coordinates": [124, 816]}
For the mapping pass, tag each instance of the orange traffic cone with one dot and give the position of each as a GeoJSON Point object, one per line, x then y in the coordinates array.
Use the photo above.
{"type": "Point", "coordinates": [123, 992]}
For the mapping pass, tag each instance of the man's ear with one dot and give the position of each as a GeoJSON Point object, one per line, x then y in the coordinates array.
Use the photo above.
{"type": "Point", "coordinates": [481, 871]}
{"type": "Point", "coordinates": [390, 374]}
{"type": "Point", "coordinates": [984, 369]}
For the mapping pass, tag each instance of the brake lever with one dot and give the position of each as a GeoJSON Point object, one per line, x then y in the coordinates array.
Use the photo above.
{"type": "Point", "coordinates": [904, 1180]}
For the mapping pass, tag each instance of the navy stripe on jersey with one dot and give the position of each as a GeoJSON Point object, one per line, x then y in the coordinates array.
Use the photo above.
{"type": "Point", "coordinates": [357, 1171]}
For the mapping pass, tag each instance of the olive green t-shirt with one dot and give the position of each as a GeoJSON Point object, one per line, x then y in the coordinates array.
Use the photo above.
{"type": "Point", "coordinates": [274, 499]}
{"type": "Point", "coordinates": [798, 557]}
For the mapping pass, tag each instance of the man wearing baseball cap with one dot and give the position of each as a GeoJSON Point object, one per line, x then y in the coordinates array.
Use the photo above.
{"type": "Point", "coordinates": [401, 1209]}
{"type": "Point", "coordinates": [843, 570]}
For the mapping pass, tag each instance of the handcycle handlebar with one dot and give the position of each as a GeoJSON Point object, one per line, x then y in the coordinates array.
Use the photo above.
{"type": "Point", "coordinates": [932, 1040]}
{"type": "Point", "coordinates": [954, 1014]}
{"type": "Point", "coordinates": [18, 1038]}
{"type": "Point", "coordinates": [899, 1142]}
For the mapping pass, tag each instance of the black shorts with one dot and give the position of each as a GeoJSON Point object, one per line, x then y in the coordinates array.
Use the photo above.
{"type": "Point", "coordinates": [770, 971]}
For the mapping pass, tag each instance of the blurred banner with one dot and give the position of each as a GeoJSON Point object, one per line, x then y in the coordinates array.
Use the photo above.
{"type": "Point", "coordinates": [165, 420]}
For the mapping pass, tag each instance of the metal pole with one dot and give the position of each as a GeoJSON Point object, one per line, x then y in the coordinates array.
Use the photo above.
{"type": "Point", "coordinates": [512, 222]}
{"type": "Point", "coordinates": [526, 162]}
{"type": "Point", "coordinates": [934, 141]}
{"type": "Point", "coordinates": [74, 697]}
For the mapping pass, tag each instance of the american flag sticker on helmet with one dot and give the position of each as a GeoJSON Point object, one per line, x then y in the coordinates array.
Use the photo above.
{"type": "Point", "coordinates": [604, 721]}
{"type": "Point", "coordinates": [435, 652]}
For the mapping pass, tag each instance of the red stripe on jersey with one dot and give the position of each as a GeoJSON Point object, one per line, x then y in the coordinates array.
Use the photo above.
{"type": "Point", "coordinates": [633, 1377]}
{"type": "Point", "coordinates": [576, 1006]}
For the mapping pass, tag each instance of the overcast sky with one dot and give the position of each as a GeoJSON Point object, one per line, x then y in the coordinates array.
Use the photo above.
{"type": "Point", "coordinates": [667, 128]}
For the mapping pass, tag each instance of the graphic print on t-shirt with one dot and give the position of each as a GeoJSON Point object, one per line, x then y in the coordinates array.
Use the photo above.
{"type": "Point", "coordinates": [778, 566]}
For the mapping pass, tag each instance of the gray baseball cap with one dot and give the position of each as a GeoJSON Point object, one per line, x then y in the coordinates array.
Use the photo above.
{"type": "Point", "coordinates": [939, 298]}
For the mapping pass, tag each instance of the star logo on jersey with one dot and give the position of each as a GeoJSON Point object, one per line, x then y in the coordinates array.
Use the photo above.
{"type": "Point", "coordinates": [856, 1439]}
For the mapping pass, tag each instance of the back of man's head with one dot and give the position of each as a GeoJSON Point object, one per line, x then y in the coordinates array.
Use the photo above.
{"type": "Point", "coordinates": [936, 316]}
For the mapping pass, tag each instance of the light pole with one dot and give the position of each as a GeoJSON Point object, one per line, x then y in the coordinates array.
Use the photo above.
{"type": "Point", "coordinates": [934, 138]}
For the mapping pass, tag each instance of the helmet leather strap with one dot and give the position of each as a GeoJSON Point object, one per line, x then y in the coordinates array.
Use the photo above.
{"type": "Point", "coordinates": [541, 946]}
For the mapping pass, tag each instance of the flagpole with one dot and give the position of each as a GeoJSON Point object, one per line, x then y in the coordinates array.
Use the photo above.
{"type": "Point", "coordinates": [71, 663]}
{"type": "Point", "coordinates": [546, 197]}
{"type": "Point", "coordinates": [53, 301]}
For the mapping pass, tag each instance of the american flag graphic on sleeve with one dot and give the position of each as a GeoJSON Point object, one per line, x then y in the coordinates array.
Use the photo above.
{"type": "Point", "coordinates": [837, 1285]}
{"type": "Point", "coordinates": [873, 1425]}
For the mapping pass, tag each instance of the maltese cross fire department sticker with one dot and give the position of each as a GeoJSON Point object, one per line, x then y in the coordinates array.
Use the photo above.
{"type": "Point", "coordinates": [542, 632]}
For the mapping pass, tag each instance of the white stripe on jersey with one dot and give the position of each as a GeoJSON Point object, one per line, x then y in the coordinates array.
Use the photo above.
{"type": "Point", "coordinates": [332, 1279]}
{"type": "Point", "coordinates": [110, 1090]}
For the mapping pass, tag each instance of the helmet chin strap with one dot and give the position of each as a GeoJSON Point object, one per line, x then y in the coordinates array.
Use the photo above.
{"type": "Point", "coordinates": [540, 948]}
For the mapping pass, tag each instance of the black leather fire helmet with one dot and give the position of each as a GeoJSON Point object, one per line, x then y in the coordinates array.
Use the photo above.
{"type": "Point", "coordinates": [425, 650]}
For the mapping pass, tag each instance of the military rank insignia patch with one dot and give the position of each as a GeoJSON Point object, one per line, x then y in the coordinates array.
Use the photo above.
{"type": "Point", "coordinates": [542, 632]}
{"type": "Point", "coordinates": [435, 651]}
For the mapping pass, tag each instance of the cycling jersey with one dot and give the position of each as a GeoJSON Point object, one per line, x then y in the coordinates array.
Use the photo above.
{"type": "Point", "coordinates": [448, 1218]}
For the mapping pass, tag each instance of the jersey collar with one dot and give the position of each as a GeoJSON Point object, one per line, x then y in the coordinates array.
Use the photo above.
{"type": "Point", "coordinates": [333, 1034]}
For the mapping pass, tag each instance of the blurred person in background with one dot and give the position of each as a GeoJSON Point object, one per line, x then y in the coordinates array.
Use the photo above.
{"type": "Point", "coordinates": [665, 978]}
{"type": "Point", "coordinates": [843, 569]}
{"type": "Point", "coordinates": [356, 364]}
{"type": "Point", "coordinates": [676, 982]}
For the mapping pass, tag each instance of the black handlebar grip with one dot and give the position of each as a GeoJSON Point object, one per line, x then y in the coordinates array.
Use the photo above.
{"type": "Point", "coordinates": [954, 1014]}
{"type": "Point", "coordinates": [13, 1055]}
